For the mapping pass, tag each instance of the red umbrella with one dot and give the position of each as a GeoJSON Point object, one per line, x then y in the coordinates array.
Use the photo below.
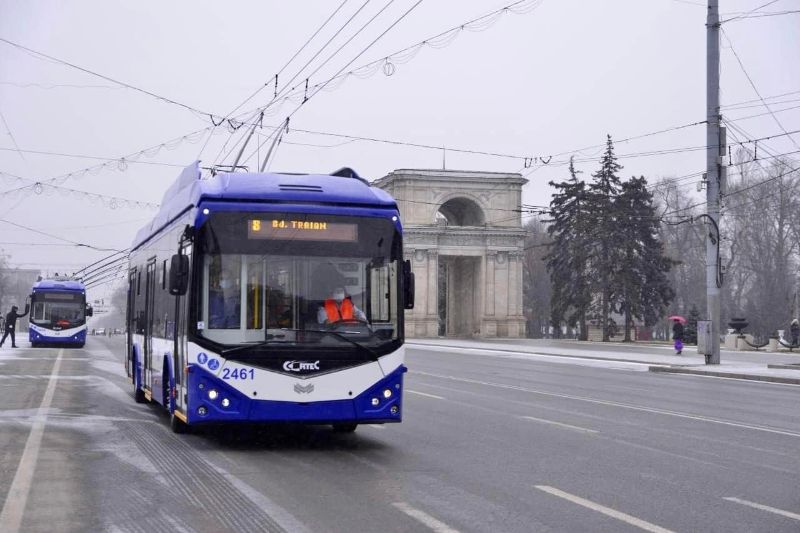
{"type": "Point", "coordinates": [679, 318]}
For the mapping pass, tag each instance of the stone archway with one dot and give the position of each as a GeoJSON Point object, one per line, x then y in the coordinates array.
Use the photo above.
{"type": "Point", "coordinates": [461, 211]}
{"type": "Point", "coordinates": [464, 237]}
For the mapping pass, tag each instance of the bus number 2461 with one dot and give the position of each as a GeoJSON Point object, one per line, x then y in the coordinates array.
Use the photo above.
{"type": "Point", "coordinates": [238, 373]}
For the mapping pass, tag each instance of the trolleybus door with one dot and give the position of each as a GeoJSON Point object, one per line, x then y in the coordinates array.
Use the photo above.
{"type": "Point", "coordinates": [130, 317]}
{"type": "Point", "coordinates": [181, 317]}
{"type": "Point", "coordinates": [150, 286]}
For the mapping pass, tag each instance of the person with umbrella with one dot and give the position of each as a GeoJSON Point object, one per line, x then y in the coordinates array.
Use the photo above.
{"type": "Point", "coordinates": [677, 332]}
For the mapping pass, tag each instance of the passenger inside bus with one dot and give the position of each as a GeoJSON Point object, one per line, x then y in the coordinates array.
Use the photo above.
{"type": "Point", "coordinates": [279, 303]}
{"type": "Point", "coordinates": [224, 302]}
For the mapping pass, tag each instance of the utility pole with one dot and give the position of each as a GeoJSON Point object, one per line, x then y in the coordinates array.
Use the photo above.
{"type": "Point", "coordinates": [714, 151]}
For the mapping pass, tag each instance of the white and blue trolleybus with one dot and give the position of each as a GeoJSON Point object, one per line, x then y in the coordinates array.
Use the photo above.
{"type": "Point", "coordinates": [259, 297]}
{"type": "Point", "coordinates": [58, 313]}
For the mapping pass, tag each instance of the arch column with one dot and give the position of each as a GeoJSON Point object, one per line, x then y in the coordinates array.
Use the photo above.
{"type": "Point", "coordinates": [423, 320]}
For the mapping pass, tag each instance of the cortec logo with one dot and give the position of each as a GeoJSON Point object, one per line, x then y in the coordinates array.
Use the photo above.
{"type": "Point", "coordinates": [202, 358]}
{"type": "Point", "coordinates": [299, 366]}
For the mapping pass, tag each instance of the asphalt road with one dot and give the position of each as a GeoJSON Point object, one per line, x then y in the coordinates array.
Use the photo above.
{"type": "Point", "coordinates": [489, 443]}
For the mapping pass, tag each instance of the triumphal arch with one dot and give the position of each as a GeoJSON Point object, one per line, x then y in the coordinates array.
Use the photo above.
{"type": "Point", "coordinates": [464, 237]}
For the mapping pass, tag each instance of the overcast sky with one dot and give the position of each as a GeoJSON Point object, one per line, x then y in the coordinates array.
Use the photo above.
{"type": "Point", "coordinates": [552, 80]}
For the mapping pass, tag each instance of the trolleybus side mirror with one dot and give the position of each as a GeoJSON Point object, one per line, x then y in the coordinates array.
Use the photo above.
{"type": "Point", "coordinates": [89, 310]}
{"type": "Point", "coordinates": [178, 275]}
{"type": "Point", "coordinates": [408, 285]}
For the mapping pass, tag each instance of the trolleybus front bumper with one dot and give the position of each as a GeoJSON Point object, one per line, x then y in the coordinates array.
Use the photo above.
{"type": "Point", "coordinates": [212, 400]}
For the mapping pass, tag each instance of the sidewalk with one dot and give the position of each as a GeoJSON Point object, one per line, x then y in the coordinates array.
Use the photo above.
{"type": "Point", "coordinates": [755, 366]}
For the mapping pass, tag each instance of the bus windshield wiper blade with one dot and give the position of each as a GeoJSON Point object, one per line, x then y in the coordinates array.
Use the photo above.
{"type": "Point", "coordinates": [351, 341]}
{"type": "Point", "coordinates": [260, 344]}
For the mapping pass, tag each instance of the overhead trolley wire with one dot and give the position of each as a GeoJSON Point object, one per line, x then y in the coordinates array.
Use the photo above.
{"type": "Point", "coordinates": [107, 78]}
{"type": "Point", "coordinates": [753, 85]}
{"type": "Point", "coordinates": [33, 230]}
{"type": "Point", "coordinates": [743, 15]}
{"type": "Point", "coordinates": [519, 7]}
{"type": "Point", "coordinates": [280, 93]}
{"type": "Point", "coordinates": [275, 79]}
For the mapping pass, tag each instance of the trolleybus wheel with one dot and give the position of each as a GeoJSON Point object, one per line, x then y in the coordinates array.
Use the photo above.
{"type": "Point", "coordinates": [34, 344]}
{"type": "Point", "coordinates": [175, 424]}
{"type": "Point", "coordinates": [138, 393]}
{"type": "Point", "coordinates": [344, 428]}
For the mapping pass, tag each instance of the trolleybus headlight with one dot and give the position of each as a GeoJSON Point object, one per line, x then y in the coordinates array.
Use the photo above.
{"type": "Point", "coordinates": [202, 411]}
{"type": "Point", "coordinates": [225, 402]}
{"type": "Point", "coordinates": [387, 393]}
{"type": "Point", "coordinates": [375, 401]}
{"type": "Point", "coordinates": [394, 410]}
{"type": "Point", "coordinates": [212, 394]}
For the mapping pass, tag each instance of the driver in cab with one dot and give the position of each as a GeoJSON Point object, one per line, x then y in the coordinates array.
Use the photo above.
{"type": "Point", "coordinates": [339, 307]}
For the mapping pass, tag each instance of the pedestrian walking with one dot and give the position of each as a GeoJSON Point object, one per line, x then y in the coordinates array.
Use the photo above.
{"type": "Point", "coordinates": [11, 325]}
{"type": "Point", "coordinates": [794, 329]}
{"type": "Point", "coordinates": [677, 336]}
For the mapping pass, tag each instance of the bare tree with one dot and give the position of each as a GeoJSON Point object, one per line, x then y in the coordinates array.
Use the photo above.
{"type": "Point", "coordinates": [761, 219]}
{"type": "Point", "coordinates": [536, 284]}
{"type": "Point", "coordinates": [684, 243]}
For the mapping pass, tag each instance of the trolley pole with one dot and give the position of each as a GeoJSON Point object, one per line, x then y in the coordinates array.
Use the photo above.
{"type": "Point", "coordinates": [714, 151]}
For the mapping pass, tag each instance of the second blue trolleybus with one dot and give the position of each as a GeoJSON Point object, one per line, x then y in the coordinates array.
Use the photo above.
{"type": "Point", "coordinates": [258, 297]}
{"type": "Point", "coordinates": [58, 313]}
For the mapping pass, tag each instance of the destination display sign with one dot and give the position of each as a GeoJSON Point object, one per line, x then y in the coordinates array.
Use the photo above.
{"type": "Point", "coordinates": [303, 230]}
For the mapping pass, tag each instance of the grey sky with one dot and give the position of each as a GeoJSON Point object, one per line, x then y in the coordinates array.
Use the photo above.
{"type": "Point", "coordinates": [549, 81]}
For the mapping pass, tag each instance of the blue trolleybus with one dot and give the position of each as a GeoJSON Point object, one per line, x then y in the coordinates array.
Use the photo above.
{"type": "Point", "coordinates": [58, 313]}
{"type": "Point", "coordinates": [257, 297]}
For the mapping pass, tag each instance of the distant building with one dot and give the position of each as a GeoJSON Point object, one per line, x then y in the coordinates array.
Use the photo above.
{"type": "Point", "coordinates": [15, 287]}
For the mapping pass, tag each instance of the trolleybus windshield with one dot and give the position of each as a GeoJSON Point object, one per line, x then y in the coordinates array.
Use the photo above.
{"type": "Point", "coordinates": [289, 279]}
{"type": "Point", "coordinates": [57, 309]}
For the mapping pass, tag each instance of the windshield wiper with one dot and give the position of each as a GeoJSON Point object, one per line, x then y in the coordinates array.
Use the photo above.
{"type": "Point", "coordinates": [260, 344]}
{"type": "Point", "coordinates": [370, 351]}
{"type": "Point", "coordinates": [270, 341]}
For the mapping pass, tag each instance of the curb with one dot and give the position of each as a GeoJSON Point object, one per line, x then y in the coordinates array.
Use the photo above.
{"type": "Point", "coordinates": [731, 375]}
{"type": "Point", "coordinates": [792, 366]}
{"type": "Point", "coordinates": [520, 352]}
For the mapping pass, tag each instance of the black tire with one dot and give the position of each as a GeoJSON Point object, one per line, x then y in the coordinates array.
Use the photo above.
{"type": "Point", "coordinates": [138, 393]}
{"type": "Point", "coordinates": [34, 344]}
{"type": "Point", "coordinates": [345, 428]}
{"type": "Point", "coordinates": [177, 425]}
{"type": "Point", "coordinates": [81, 345]}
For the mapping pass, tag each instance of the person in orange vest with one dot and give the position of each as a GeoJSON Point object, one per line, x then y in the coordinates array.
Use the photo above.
{"type": "Point", "coordinates": [339, 307]}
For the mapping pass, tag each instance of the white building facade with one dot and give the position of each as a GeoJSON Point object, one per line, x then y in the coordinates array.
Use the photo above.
{"type": "Point", "coordinates": [464, 237]}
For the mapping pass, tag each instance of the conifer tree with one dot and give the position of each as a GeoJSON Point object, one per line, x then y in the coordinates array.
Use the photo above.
{"type": "Point", "coordinates": [641, 279]}
{"type": "Point", "coordinates": [604, 253]}
{"type": "Point", "coordinates": [566, 260]}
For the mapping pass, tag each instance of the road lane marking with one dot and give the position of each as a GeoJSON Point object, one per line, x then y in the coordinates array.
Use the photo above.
{"type": "Point", "coordinates": [608, 511]}
{"type": "Point", "coordinates": [14, 507]}
{"type": "Point", "coordinates": [612, 404]}
{"type": "Point", "coordinates": [425, 394]}
{"type": "Point", "coordinates": [754, 505]}
{"type": "Point", "coordinates": [424, 518]}
{"type": "Point", "coordinates": [560, 424]}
